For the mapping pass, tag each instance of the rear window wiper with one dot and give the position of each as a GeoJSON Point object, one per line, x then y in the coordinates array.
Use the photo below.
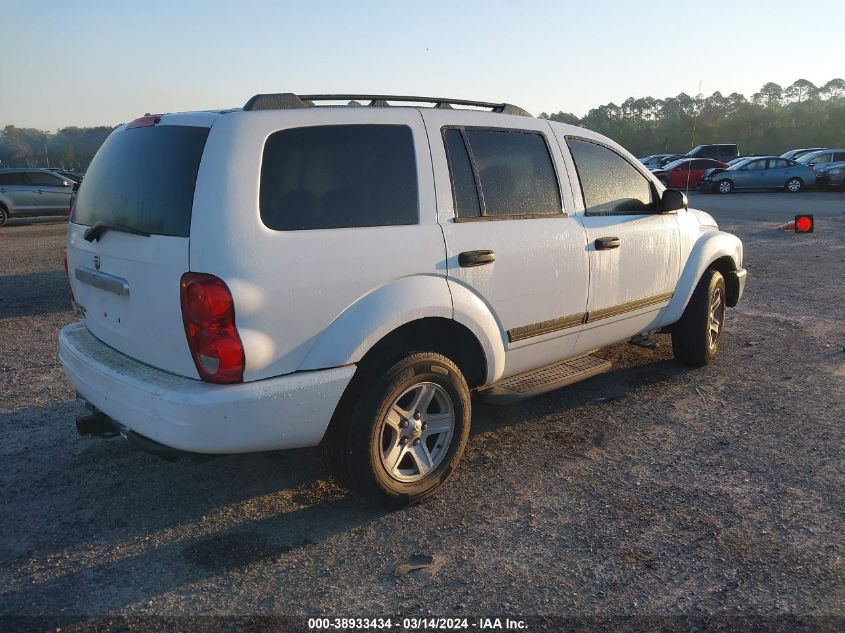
{"type": "Point", "coordinates": [94, 231]}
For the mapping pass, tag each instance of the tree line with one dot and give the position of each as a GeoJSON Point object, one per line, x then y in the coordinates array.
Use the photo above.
{"type": "Point", "coordinates": [68, 148]}
{"type": "Point", "coordinates": [774, 120]}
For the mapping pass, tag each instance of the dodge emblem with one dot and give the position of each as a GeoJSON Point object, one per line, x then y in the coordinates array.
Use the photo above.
{"type": "Point", "coordinates": [97, 262]}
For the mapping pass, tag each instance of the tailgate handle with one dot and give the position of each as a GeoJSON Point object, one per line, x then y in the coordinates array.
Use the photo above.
{"type": "Point", "coordinates": [103, 281]}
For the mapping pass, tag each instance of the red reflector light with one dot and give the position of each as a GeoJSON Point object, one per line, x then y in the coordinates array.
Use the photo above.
{"type": "Point", "coordinates": [208, 313]}
{"type": "Point", "coordinates": [804, 224]}
{"type": "Point", "coordinates": [144, 121]}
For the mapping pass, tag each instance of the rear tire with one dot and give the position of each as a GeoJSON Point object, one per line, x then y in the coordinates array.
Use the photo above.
{"type": "Point", "coordinates": [696, 336]}
{"type": "Point", "coordinates": [794, 185]}
{"type": "Point", "coordinates": [4, 215]}
{"type": "Point", "coordinates": [401, 431]}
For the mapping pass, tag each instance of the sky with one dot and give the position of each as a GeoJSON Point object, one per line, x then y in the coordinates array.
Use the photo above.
{"type": "Point", "coordinates": [91, 62]}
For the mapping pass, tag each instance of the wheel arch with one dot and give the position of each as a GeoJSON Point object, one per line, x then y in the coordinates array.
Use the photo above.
{"type": "Point", "coordinates": [714, 250]}
{"type": "Point", "coordinates": [412, 312]}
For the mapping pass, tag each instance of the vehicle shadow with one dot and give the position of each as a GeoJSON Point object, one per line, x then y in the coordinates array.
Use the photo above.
{"type": "Point", "coordinates": [32, 294]}
{"type": "Point", "coordinates": [638, 368]}
{"type": "Point", "coordinates": [94, 525]}
{"type": "Point", "coordinates": [14, 222]}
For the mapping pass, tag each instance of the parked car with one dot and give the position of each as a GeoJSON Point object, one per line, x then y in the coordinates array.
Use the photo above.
{"type": "Point", "coordinates": [33, 192]}
{"type": "Point", "coordinates": [345, 282]}
{"type": "Point", "coordinates": [831, 175]}
{"type": "Point", "coordinates": [822, 157]}
{"type": "Point", "coordinates": [685, 173]}
{"type": "Point", "coordinates": [795, 154]}
{"type": "Point", "coordinates": [658, 160]}
{"type": "Point", "coordinates": [720, 151]}
{"type": "Point", "coordinates": [73, 176]}
{"type": "Point", "coordinates": [771, 172]}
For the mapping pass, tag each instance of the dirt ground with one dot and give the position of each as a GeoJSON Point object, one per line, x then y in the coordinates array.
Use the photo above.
{"type": "Point", "coordinates": [655, 491]}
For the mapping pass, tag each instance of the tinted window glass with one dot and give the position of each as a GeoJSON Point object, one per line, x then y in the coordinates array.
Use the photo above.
{"type": "Point", "coordinates": [610, 184]}
{"type": "Point", "coordinates": [44, 179]}
{"type": "Point", "coordinates": [778, 164]}
{"type": "Point", "coordinates": [839, 156]}
{"type": "Point", "coordinates": [12, 178]}
{"type": "Point", "coordinates": [516, 172]}
{"type": "Point", "coordinates": [339, 176]}
{"type": "Point", "coordinates": [702, 164]}
{"type": "Point", "coordinates": [464, 191]}
{"type": "Point", "coordinates": [143, 178]}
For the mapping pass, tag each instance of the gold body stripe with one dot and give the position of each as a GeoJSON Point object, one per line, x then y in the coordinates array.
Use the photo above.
{"type": "Point", "coordinates": [553, 325]}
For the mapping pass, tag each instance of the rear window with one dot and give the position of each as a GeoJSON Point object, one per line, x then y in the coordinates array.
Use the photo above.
{"type": "Point", "coordinates": [339, 176]}
{"type": "Point", "coordinates": [144, 178]}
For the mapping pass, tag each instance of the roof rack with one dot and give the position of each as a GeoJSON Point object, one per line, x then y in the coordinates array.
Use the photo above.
{"type": "Point", "coordinates": [289, 101]}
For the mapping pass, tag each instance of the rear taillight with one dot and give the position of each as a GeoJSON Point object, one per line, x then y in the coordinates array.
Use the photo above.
{"type": "Point", "coordinates": [209, 316]}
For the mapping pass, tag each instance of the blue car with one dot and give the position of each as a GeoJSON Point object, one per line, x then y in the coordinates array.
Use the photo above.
{"type": "Point", "coordinates": [766, 172]}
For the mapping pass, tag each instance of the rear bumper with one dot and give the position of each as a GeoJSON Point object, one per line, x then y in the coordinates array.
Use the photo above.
{"type": "Point", "coordinates": [189, 415]}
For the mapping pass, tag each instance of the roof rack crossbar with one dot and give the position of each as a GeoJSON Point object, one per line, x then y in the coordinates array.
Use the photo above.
{"type": "Point", "coordinates": [290, 100]}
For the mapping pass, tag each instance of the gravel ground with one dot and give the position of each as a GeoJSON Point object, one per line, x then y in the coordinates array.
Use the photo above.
{"type": "Point", "coordinates": [655, 491]}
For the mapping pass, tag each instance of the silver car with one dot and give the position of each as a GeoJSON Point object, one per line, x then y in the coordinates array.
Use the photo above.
{"type": "Point", "coordinates": [831, 175]}
{"type": "Point", "coordinates": [822, 158]}
{"type": "Point", "coordinates": [33, 192]}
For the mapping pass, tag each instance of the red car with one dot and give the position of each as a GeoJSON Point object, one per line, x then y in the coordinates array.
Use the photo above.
{"type": "Point", "coordinates": [685, 173]}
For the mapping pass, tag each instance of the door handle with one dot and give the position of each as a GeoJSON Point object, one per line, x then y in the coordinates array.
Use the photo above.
{"type": "Point", "coordinates": [606, 243]}
{"type": "Point", "coordinates": [470, 259]}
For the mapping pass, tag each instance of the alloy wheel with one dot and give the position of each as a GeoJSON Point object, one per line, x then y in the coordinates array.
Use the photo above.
{"type": "Point", "coordinates": [417, 431]}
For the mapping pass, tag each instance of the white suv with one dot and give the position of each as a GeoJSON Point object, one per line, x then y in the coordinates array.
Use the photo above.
{"type": "Point", "coordinates": [293, 272]}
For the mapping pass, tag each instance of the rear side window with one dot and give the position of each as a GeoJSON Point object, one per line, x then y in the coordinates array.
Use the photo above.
{"type": "Point", "coordinates": [44, 179]}
{"type": "Point", "coordinates": [144, 178]}
{"type": "Point", "coordinates": [512, 170]}
{"type": "Point", "coordinates": [609, 183]}
{"type": "Point", "coordinates": [464, 189]}
{"type": "Point", "coordinates": [339, 176]}
{"type": "Point", "coordinates": [12, 178]}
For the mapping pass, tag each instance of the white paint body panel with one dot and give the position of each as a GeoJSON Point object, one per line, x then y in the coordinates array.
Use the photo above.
{"type": "Point", "coordinates": [289, 287]}
{"type": "Point", "coordinates": [541, 269]}
{"type": "Point", "coordinates": [286, 412]}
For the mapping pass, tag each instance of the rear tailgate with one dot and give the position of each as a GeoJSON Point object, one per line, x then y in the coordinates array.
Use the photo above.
{"type": "Point", "coordinates": [125, 277]}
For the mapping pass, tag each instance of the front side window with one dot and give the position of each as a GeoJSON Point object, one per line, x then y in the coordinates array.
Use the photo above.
{"type": "Point", "coordinates": [339, 176]}
{"type": "Point", "coordinates": [756, 165]}
{"type": "Point", "coordinates": [609, 183]}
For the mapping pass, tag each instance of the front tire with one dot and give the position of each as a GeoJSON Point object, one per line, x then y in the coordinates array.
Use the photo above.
{"type": "Point", "coordinates": [402, 431]}
{"type": "Point", "coordinates": [4, 215]}
{"type": "Point", "coordinates": [794, 185]}
{"type": "Point", "coordinates": [696, 337]}
{"type": "Point", "coordinates": [725, 186]}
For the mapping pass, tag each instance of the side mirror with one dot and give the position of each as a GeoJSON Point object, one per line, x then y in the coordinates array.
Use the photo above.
{"type": "Point", "coordinates": [672, 200]}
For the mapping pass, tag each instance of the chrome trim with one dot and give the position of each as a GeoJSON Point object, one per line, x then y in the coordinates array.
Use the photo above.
{"type": "Point", "coordinates": [630, 306]}
{"type": "Point", "coordinates": [544, 327]}
{"type": "Point", "coordinates": [103, 281]}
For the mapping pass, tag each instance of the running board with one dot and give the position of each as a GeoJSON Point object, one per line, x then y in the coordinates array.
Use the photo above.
{"type": "Point", "coordinates": [545, 379]}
